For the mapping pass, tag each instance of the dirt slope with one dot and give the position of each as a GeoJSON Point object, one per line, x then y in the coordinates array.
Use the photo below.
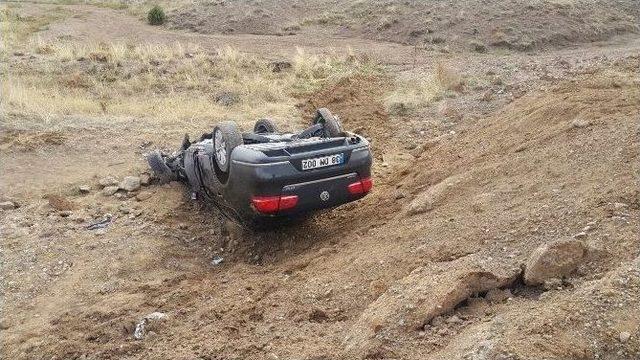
{"type": "Point", "coordinates": [442, 25]}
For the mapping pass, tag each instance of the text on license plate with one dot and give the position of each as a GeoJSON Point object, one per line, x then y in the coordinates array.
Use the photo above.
{"type": "Point", "coordinates": [336, 159]}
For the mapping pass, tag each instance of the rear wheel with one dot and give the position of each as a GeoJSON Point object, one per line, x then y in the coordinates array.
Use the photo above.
{"type": "Point", "coordinates": [226, 136]}
{"type": "Point", "coordinates": [265, 126]}
{"type": "Point", "coordinates": [330, 123]}
{"type": "Point", "coordinates": [159, 167]}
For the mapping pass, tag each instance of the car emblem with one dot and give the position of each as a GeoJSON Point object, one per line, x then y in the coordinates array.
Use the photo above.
{"type": "Point", "coordinates": [324, 196]}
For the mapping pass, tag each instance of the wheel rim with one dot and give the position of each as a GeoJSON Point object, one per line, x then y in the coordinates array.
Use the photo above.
{"type": "Point", "coordinates": [220, 148]}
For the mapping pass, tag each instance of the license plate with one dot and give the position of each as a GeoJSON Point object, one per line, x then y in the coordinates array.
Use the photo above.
{"type": "Point", "coordinates": [336, 159]}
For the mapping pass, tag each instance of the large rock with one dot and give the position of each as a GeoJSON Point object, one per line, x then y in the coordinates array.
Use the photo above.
{"type": "Point", "coordinates": [109, 190]}
{"type": "Point", "coordinates": [427, 292]}
{"type": "Point", "coordinates": [426, 200]}
{"type": "Point", "coordinates": [130, 183]}
{"type": "Point", "coordinates": [554, 260]}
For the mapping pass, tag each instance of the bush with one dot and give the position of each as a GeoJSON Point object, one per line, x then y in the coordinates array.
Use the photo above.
{"type": "Point", "coordinates": [156, 16]}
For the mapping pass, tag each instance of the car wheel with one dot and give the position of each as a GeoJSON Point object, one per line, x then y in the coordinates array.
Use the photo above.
{"type": "Point", "coordinates": [159, 167]}
{"type": "Point", "coordinates": [331, 124]}
{"type": "Point", "coordinates": [226, 136]}
{"type": "Point", "coordinates": [265, 126]}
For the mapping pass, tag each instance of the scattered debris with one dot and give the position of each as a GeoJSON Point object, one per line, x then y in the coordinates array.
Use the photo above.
{"type": "Point", "coordinates": [217, 260]}
{"type": "Point", "coordinates": [145, 179]}
{"type": "Point", "coordinates": [100, 223]}
{"type": "Point", "coordinates": [84, 189]}
{"type": "Point", "coordinates": [554, 260]}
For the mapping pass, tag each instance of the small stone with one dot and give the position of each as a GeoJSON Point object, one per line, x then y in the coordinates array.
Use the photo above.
{"type": "Point", "coordinates": [109, 190]}
{"type": "Point", "coordinates": [65, 213]}
{"type": "Point", "coordinates": [580, 235]}
{"type": "Point", "coordinates": [182, 226]}
{"type": "Point", "coordinates": [620, 206]}
{"type": "Point", "coordinates": [108, 181]}
{"type": "Point", "coordinates": [437, 321]}
{"type": "Point", "coordinates": [454, 320]}
{"type": "Point", "coordinates": [624, 336]}
{"type": "Point", "coordinates": [124, 209]}
{"type": "Point", "coordinates": [84, 189]}
{"type": "Point", "coordinates": [7, 205]}
{"type": "Point", "coordinates": [487, 95]}
{"type": "Point", "coordinates": [100, 232]}
{"type": "Point", "coordinates": [580, 123]}
{"type": "Point", "coordinates": [130, 183]}
{"type": "Point", "coordinates": [145, 179]}
{"type": "Point", "coordinates": [143, 195]}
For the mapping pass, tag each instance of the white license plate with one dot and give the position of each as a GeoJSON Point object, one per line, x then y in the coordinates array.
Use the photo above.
{"type": "Point", "coordinates": [308, 164]}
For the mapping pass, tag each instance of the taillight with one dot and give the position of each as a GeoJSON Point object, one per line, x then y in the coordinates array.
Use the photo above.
{"type": "Point", "coordinates": [273, 204]}
{"type": "Point", "coordinates": [361, 187]}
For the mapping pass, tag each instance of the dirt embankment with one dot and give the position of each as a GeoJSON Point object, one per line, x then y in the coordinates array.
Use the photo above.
{"type": "Point", "coordinates": [443, 25]}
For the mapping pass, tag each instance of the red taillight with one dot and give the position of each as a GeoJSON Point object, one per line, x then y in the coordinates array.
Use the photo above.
{"type": "Point", "coordinates": [272, 204]}
{"type": "Point", "coordinates": [361, 187]}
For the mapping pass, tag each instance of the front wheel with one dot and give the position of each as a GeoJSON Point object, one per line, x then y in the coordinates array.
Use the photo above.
{"type": "Point", "coordinates": [226, 136]}
{"type": "Point", "coordinates": [265, 126]}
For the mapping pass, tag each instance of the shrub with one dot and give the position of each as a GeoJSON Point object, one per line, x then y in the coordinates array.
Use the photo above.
{"type": "Point", "coordinates": [156, 16]}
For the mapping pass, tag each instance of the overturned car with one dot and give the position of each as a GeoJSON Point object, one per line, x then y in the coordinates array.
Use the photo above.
{"type": "Point", "coordinates": [258, 177]}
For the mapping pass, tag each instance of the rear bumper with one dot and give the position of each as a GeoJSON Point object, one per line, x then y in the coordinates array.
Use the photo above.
{"type": "Point", "coordinates": [316, 189]}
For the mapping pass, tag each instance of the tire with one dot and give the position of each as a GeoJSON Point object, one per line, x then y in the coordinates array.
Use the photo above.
{"type": "Point", "coordinates": [226, 136]}
{"type": "Point", "coordinates": [159, 167]}
{"type": "Point", "coordinates": [265, 126]}
{"type": "Point", "coordinates": [332, 126]}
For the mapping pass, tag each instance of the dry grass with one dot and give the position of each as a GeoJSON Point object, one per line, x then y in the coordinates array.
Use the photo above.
{"type": "Point", "coordinates": [178, 82]}
{"type": "Point", "coordinates": [414, 92]}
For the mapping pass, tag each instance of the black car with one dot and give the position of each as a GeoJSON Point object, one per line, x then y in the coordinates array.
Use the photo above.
{"type": "Point", "coordinates": [264, 175]}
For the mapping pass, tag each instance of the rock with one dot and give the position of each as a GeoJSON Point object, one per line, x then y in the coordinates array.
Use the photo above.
{"type": "Point", "coordinates": [108, 181]}
{"type": "Point", "coordinates": [487, 95]}
{"type": "Point", "coordinates": [130, 183]}
{"type": "Point", "coordinates": [65, 213]}
{"type": "Point", "coordinates": [624, 336]}
{"type": "Point", "coordinates": [84, 189]}
{"type": "Point", "coordinates": [145, 179]}
{"type": "Point", "coordinates": [580, 235]}
{"type": "Point", "coordinates": [427, 292]}
{"type": "Point", "coordinates": [498, 296]}
{"type": "Point", "coordinates": [109, 190]}
{"type": "Point", "coordinates": [426, 200]}
{"type": "Point", "coordinates": [143, 195]}
{"type": "Point", "coordinates": [7, 205]}
{"type": "Point", "coordinates": [554, 260]}
{"type": "Point", "coordinates": [143, 327]}
{"type": "Point", "coordinates": [580, 123]}
{"type": "Point", "coordinates": [454, 320]}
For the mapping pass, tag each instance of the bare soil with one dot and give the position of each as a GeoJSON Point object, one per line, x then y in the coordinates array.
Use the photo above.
{"type": "Point", "coordinates": [551, 152]}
